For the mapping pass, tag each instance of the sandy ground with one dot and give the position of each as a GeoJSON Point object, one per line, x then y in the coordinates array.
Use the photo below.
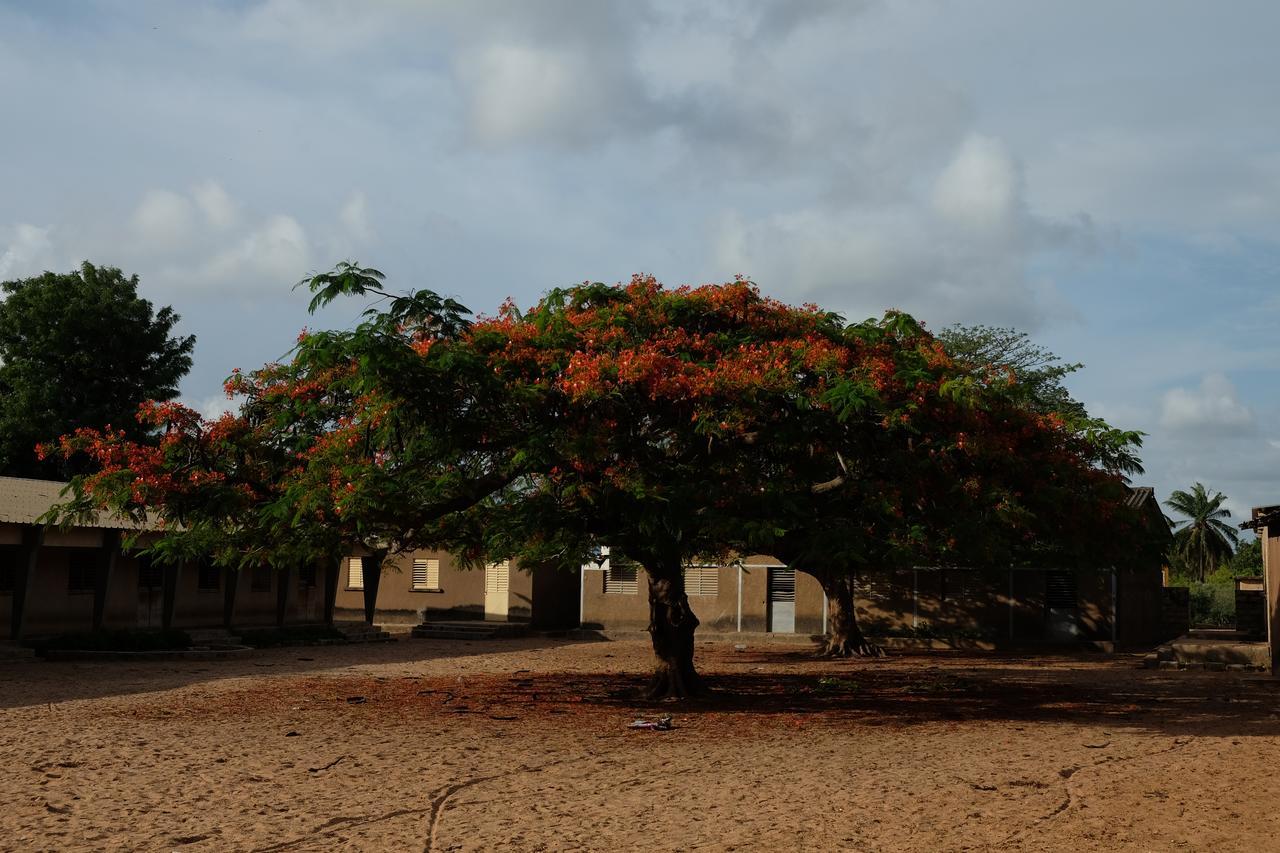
{"type": "Point", "coordinates": [523, 745]}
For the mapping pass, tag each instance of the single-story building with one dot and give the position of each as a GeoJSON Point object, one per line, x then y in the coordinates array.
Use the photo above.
{"type": "Point", "coordinates": [758, 593]}
{"type": "Point", "coordinates": [432, 586]}
{"type": "Point", "coordinates": [55, 581]}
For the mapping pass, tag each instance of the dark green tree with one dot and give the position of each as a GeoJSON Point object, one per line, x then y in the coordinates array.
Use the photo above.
{"type": "Point", "coordinates": [80, 349]}
{"type": "Point", "coordinates": [1247, 560]}
{"type": "Point", "coordinates": [1203, 539]}
{"type": "Point", "coordinates": [1039, 373]}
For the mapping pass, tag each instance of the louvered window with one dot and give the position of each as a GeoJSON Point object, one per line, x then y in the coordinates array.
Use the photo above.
{"type": "Point", "coordinates": [702, 580]}
{"type": "Point", "coordinates": [1060, 589]}
{"type": "Point", "coordinates": [426, 574]}
{"type": "Point", "coordinates": [150, 574]}
{"type": "Point", "coordinates": [497, 577]}
{"type": "Point", "coordinates": [782, 585]}
{"type": "Point", "coordinates": [355, 573]}
{"type": "Point", "coordinates": [621, 579]}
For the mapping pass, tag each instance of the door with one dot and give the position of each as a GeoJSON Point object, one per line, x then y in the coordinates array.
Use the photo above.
{"type": "Point", "coordinates": [1062, 606]}
{"type": "Point", "coordinates": [497, 586]}
{"type": "Point", "coordinates": [782, 600]}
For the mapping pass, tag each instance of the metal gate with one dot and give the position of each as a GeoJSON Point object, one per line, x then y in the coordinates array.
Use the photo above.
{"type": "Point", "coordinates": [782, 600]}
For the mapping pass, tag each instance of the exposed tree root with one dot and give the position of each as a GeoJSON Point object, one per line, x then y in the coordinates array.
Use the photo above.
{"type": "Point", "coordinates": [850, 648]}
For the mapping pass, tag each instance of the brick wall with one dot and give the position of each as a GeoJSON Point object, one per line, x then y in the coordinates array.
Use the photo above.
{"type": "Point", "coordinates": [1175, 610]}
{"type": "Point", "coordinates": [1251, 612]}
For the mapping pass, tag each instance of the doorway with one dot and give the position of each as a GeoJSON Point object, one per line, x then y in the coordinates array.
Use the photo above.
{"type": "Point", "coordinates": [782, 600]}
{"type": "Point", "coordinates": [497, 588]}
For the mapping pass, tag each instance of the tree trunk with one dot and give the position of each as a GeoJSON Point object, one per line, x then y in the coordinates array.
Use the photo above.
{"type": "Point", "coordinates": [671, 626]}
{"type": "Point", "coordinates": [844, 638]}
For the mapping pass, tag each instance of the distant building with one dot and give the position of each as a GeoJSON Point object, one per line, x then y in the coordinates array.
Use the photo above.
{"type": "Point", "coordinates": [1119, 605]}
{"type": "Point", "coordinates": [1265, 522]}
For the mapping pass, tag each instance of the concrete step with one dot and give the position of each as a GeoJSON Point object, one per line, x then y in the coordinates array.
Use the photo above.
{"type": "Point", "coordinates": [211, 636]}
{"type": "Point", "coordinates": [15, 653]}
{"type": "Point", "coordinates": [470, 630]}
{"type": "Point", "coordinates": [362, 632]}
{"type": "Point", "coordinates": [1193, 650]}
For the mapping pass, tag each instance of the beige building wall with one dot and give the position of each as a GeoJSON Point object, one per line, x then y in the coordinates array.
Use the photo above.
{"type": "Point", "coordinates": [545, 599]}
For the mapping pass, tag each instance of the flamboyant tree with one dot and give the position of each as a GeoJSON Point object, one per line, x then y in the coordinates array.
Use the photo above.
{"type": "Point", "coordinates": [646, 398]}
{"type": "Point", "coordinates": [669, 424]}
{"type": "Point", "coordinates": [362, 438]}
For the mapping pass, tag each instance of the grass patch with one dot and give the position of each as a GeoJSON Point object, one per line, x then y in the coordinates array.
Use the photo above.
{"type": "Point", "coordinates": [831, 684]}
{"type": "Point", "coordinates": [293, 635]}
{"type": "Point", "coordinates": [116, 641]}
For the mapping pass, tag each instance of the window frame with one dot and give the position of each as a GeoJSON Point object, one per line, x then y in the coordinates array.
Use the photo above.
{"type": "Point", "coordinates": [427, 569]}
{"type": "Point", "coordinates": [354, 563]}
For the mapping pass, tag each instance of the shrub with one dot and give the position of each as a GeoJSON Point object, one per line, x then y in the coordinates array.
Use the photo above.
{"type": "Point", "coordinates": [1213, 605]}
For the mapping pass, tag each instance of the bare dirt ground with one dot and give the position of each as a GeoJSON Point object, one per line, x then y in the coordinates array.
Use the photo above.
{"type": "Point", "coordinates": [523, 745]}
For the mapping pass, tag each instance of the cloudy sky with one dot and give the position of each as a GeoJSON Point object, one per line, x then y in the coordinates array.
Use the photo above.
{"type": "Point", "coordinates": [1103, 175]}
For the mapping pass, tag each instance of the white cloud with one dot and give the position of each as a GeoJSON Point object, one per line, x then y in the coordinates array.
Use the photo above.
{"type": "Point", "coordinates": [163, 220]}
{"type": "Point", "coordinates": [959, 251]}
{"type": "Point", "coordinates": [1214, 409]}
{"type": "Point", "coordinates": [979, 188]}
{"type": "Point", "coordinates": [318, 27]}
{"type": "Point", "coordinates": [520, 90]}
{"type": "Point", "coordinates": [29, 246]}
{"type": "Point", "coordinates": [355, 218]}
{"type": "Point", "coordinates": [218, 208]}
{"type": "Point", "coordinates": [276, 252]}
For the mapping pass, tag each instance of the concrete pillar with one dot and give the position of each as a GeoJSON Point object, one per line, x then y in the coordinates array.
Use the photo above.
{"type": "Point", "coordinates": [332, 577]}
{"type": "Point", "coordinates": [285, 578]}
{"type": "Point", "coordinates": [169, 593]}
{"type": "Point", "coordinates": [104, 569]}
{"type": "Point", "coordinates": [232, 577]}
{"type": "Point", "coordinates": [372, 571]}
{"type": "Point", "coordinates": [28, 554]}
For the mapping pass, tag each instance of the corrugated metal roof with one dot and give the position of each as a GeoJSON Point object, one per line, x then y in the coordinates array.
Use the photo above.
{"type": "Point", "coordinates": [23, 501]}
{"type": "Point", "coordinates": [1138, 495]}
{"type": "Point", "coordinates": [1263, 516]}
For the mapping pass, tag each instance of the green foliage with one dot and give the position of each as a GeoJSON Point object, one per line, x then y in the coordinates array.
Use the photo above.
{"type": "Point", "coordinates": [832, 685]}
{"type": "Point", "coordinates": [116, 641]}
{"type": "Point", "coordinates": [1247, 560]}
{"type": "Point", "coordinates": [1213, 605]}
{"type": "Point", "coordinates": [1034, 374]}
{"type": "Point", "coordinates": [1203, 539]}
{"type": "Point", "coordinates": [1008, 360]}
{"type": "Point", "coordinates": [80, 349]}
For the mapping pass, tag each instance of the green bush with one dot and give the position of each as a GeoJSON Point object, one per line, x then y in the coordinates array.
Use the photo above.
{"type": "Point", "coordinates": [1213, 605]}
{"type": "Point", "coordinates": [116, 641]}
{"type": "Point", "coordinates": [294, 635]}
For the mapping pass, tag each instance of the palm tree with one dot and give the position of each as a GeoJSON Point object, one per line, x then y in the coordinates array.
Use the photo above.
{"type": "Point", "coordinates": [1202, 539]}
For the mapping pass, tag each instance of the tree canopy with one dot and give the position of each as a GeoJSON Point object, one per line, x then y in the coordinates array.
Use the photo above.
{"type": "Point", "coordinates": [1203, 539]}
{"type": "Point", "coordinates": [670, 424]}
{"type": "Point", "coordinates": [80, 349]}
